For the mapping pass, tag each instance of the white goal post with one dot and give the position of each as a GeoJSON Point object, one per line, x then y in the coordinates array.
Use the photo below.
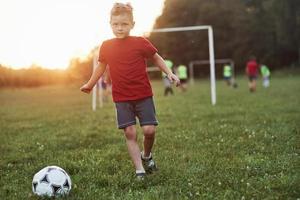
{"type": "Point", "coordinates": [177, 29]}
{"type": "Point", "coordinates": [97, 89]}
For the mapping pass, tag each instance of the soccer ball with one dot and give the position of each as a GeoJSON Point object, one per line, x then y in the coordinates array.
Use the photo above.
{"type": "Point", "coordinates": [51, 181]}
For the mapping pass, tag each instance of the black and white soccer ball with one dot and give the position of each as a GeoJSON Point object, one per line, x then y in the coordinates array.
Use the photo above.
{"type": "Point", "coordinates": [51, 181]}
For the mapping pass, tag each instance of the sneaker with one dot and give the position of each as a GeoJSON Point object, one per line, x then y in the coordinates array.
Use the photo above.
{"type": "Point", "coordinates": [149, 164]}
{"type": "Point", "coordinates": [140, 176]}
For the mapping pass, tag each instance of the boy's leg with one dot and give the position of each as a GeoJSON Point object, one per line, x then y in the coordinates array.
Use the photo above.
{"type": "Point", "coordinates": [126, 121]}
{"type": "Point", "coordinates": [254, 85]}
{"type": "Point", "coordinates": [149, 137]}
{"type": "Point", "coordinates": [250, 84]}
{"type": "Point", "coordinates": [267, 82]}
{"type": "Point", "coordinates": [133, 147]}
{"type": "Point", "coordinates": [171, 90]}
{"type": "Point", "coordinates": [147, 158]}
{"type": "Point", "coordinates": [167, 85]}
{"type": "Point", "coordinates": [146, 114]}
{"type": "Point", "coordinates": [166, 91]}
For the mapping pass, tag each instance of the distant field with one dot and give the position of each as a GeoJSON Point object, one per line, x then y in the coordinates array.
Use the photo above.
{"type": "Point", "coordinates": [245, 147]}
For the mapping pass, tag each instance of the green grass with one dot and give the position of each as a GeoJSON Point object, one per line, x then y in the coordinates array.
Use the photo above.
{"type": "Point", "coordinates": [245, 147]}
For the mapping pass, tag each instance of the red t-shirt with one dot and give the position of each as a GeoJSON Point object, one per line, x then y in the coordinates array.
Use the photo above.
{"type": "Point", "coordinates": [126, 59]}
{"type": "Point", "coordinates": [252, 68]}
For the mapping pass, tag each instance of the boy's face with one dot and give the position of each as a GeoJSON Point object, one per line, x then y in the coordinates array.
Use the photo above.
{"type": "Point", "coordinates": [121, 25]}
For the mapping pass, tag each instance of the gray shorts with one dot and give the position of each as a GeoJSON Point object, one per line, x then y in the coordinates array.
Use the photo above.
{"type": "Point", "coordinates": [167, 82]}
{"type": "Point", "coordinates": [128, 111]}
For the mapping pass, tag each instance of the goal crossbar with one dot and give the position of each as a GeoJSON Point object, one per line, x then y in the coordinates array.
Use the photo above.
{"type": "Point", "coordinates": [205, 62]}
{"type": "Point", "coordinates": [185, 28]}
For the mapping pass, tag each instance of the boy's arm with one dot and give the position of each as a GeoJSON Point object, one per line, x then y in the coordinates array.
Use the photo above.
{"type": "Point", "coordinates": [97, 73]}
{"type": "Point", "coordinates": [107, 76]}
{"type": "Point", "coordinates": [160, 63]}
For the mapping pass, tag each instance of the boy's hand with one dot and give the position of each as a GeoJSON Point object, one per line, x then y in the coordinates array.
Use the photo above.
{"type": "Point", "coordinates": [86, 88]}
{"type": "Point", "coordinates": [173, 78]}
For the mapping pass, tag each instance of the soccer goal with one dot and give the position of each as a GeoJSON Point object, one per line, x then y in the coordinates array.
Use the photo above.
{"type": "Point", "coordinates": [194, 63]}
{"type": "Point", "coordinates": [211, 60]}
{"type": "Point", "coordinates": [175, 29]}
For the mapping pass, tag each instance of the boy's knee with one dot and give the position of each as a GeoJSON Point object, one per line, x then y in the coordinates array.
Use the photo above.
{"type": "Point", "coordinates": [149, 131]}
{"type": "Point", "coordinates": [130, 133]}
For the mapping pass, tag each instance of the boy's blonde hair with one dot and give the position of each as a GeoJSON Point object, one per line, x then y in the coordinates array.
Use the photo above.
{"type": "Point", "coordinates": [122, 8]}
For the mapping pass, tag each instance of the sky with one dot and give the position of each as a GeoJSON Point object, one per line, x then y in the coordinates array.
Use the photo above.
{"type": "Point", "coordinates": [49, 33]}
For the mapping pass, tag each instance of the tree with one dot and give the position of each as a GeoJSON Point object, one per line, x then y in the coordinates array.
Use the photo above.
{"type": "Point", "coordinates": [268, 29]}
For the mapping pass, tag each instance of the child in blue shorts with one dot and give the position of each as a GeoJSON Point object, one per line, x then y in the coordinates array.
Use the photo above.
{"type": "Point", "coordinates": [131, 90]}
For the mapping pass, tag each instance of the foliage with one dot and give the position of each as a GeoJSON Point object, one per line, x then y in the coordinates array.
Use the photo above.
{"type": "Point", "coordinates": [31, 77]}
{"type": "Point", "coordinates": [78, 70]}
{"type": "Point", "coordinates": [81, 69]}
{"type": "Point", "coordinates": [269, 29]}
{"type": "Point", "coordinates": [246, 147]}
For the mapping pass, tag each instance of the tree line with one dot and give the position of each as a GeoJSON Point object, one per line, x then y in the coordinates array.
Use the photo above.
{"type": "Point", "coordinates": [77, 71]}
{"type": "Point", "coordinates": [268, 29]}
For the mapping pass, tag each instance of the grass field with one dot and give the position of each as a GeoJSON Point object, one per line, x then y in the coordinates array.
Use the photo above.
{"type": "Point", "coordinates": [245, 147]}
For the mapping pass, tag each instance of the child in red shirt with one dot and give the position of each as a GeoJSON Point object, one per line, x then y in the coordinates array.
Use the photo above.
{"type": "Point", "coordinates": [252, 71]}
{"type": "Point", "coordinates": [131, 90]}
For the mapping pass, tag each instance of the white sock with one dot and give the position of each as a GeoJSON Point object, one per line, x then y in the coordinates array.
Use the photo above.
{"type": "Point", "coordinates": [146, 158]}
{"type": "Point", "coordinates": [140, 171]}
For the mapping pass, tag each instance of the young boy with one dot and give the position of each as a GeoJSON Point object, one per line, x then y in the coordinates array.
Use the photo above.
{"type": "Point", "coordinates": [252, 71]}
{"type": "Point", "coordinates": [131, 90]}
{"type": "Point", "coordinates": [183, 77]}
{"type": "Point", "coordinates": [227, 74]}
{"type": "Point", "coordinates": [167, 83]}
{"type": "Point", "coordinates": [265, 72]}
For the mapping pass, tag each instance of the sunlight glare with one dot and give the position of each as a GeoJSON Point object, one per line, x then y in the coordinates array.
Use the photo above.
{"type": "Point", "coordinates": [50, 33]}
